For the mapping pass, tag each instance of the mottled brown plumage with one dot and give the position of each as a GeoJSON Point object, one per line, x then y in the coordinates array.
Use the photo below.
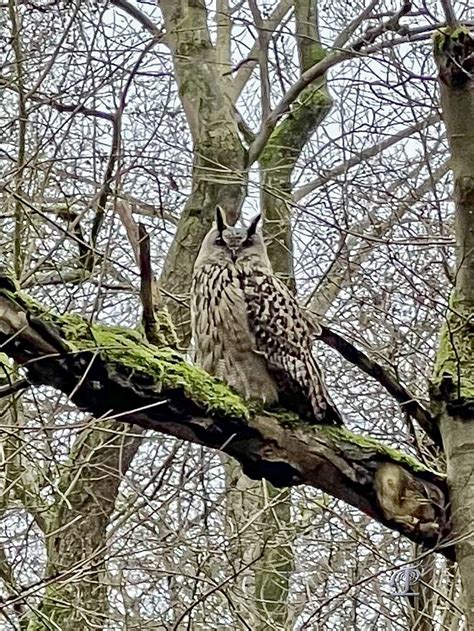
{"type": "Point", "coordinates": [249, 330]}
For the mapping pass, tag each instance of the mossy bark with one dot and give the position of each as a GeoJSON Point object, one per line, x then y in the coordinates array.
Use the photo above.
{"type": "Point", "coordinates": [219, 169]}
{"type": "Point", "coordinates": [284, 147]}
{"type": "Point", "coordinates": [272, 580]}
{"type": "Point", "coordinates": [161, 391]}
{"type": "Point", "coordinates": [76, 539]}
{"type": "Point", "coordinates": [453, 380]}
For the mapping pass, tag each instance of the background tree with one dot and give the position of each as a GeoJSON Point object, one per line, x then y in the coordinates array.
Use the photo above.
{"type": "Point", "coordinates": [325, 117]}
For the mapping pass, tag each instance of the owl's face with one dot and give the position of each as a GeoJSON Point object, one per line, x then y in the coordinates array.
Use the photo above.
{"type": "Point", "coordinates": [226, 244]}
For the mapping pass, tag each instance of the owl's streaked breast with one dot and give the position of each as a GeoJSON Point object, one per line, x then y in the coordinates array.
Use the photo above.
{"type": "Point", "coordinates": [225, 345]}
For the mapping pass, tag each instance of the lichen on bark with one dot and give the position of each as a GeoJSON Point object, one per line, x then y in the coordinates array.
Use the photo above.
{"type": "Point", "coordinates": [452, 385]}
{"type": "Point", "coordinates": [453, 374]}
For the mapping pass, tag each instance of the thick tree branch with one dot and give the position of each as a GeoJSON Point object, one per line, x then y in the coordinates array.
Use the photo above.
{"type": "Point", "coordinates": [380, 374]}
{"type": "Point", "coordinates": [449, 12]}
{"type": "Point", "coordinates": [219, 173]}
{"type": "Point", "coordinates": [318, 71]}
{"type": "Point", "coordinates": [223, 36]}
{"type": "Point", "coordinates": [110, 372]}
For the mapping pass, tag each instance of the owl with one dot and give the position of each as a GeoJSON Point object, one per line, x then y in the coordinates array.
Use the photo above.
{"type": "Point", "coordinates": [248, 328]}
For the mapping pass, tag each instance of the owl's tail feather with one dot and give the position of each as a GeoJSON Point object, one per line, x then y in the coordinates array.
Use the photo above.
{"type": "Point", "coordinates": [323, 407]}
{"type": "Point", "coordinates": [306, 393]}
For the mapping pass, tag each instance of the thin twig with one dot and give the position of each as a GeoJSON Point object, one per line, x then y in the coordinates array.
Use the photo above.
{"type": "Point", "coordinates": [138, 15]}
{"type": "Point", "coordinates": [114, 151]}
{"type": "Point", "coordinates": [345, 35]}
{"type": "Point", "coordinates": [363, 156]}
{"type": "Point", "coordinates": [392, 24]}
{"type": "Point", "coordinates": [247, 66]}
{"type": "Point", "coordinates": [14, 387]}
{"type": "Point", "coordinates": [147, 281]}
{"type": "Point", "coordinates": [124, 211]}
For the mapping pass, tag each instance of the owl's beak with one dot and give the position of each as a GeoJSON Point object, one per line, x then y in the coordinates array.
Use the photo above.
{"type": "Point", "coordinates": [233, 255]}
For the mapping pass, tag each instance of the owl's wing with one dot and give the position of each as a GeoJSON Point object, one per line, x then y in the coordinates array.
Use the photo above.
{"type": "Point", "coordinates": [283, 335]}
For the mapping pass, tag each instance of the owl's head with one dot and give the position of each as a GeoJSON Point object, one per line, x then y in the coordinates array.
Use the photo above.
{"type": "Point", "coordinates": [226, 244]}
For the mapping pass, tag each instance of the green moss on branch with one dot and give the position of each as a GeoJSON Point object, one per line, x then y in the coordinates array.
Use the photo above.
{"type": "Point", "coordinates": [443, 37]}
{"type": "Point", "coordinates": [342, 436]}
{"type": "Point", "coordinates": [454, 369]}
{"type": "Point", "coordinates": [125, 348]}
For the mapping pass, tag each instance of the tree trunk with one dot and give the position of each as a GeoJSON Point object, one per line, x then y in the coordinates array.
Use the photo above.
{"type": "Point", "coordinates": [284, 147]}
{"type": "Point", "coordinates": [76, 538]}
{"type": "Point", "coordinates": [277, 163]}
{"type": "Point", "coordinates": [219, 167]}
{"type": "Point", "coordinates": [453, 381]}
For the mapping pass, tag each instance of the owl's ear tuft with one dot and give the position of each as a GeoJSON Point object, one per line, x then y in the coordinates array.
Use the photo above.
{"type": "Point", "coordinates": [253, 226]}
{"type": "Point", "coordinates": [220, 219]}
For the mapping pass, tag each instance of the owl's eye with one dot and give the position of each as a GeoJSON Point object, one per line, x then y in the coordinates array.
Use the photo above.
{"type": "Point", "coordinates": [219, 241]}
{"type": "Point", "coordinates": [248, 241]}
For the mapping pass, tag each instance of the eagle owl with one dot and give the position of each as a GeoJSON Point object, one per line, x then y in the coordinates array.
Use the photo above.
{"type": "Point", "coordinates": [248, 328]}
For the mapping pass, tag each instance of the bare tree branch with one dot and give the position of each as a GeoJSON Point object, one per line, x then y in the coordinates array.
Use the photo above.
{"type": "Point", "coordinates": [380, 374]}
{"type": "Point", "coordinates": [74, 108]}
{"type": "Point", "coordinates": [114, 152]}
{"type": "Point", "coordinates": [363, 156]}
{"type": "Point", "coordinates": [247, 66]}
{"type": "Point", "coordinates": [224, 30]}
{"type": "Point", "coordinates": [316, 72]}
{"type": "Point", "coordinates": [263, 38]}
{"type": "Point", "coordinates": [139, 206]}
{"type": "Point", "coordinates": [354, 251]}
{"type": "Point", "coordinates": [346, 33]}
{"type": "Point", "coordinates": [286, 142]}
{"type": "Point", "coordinates": [138, 15]}
{"type": "Point", "coordinates": [14, 387]}
{"type": "Point", "coordinates": [392, 24]}
{"type": "Point", "coordinates": [449, 12]}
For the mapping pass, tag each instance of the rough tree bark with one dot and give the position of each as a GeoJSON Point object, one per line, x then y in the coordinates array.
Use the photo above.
{"type": "Point", "coordinates": [453, 382]}
{"type": "Point", "coordinates": [279, 157]}
{"type": "Point", "coordinates": [219, 169]}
